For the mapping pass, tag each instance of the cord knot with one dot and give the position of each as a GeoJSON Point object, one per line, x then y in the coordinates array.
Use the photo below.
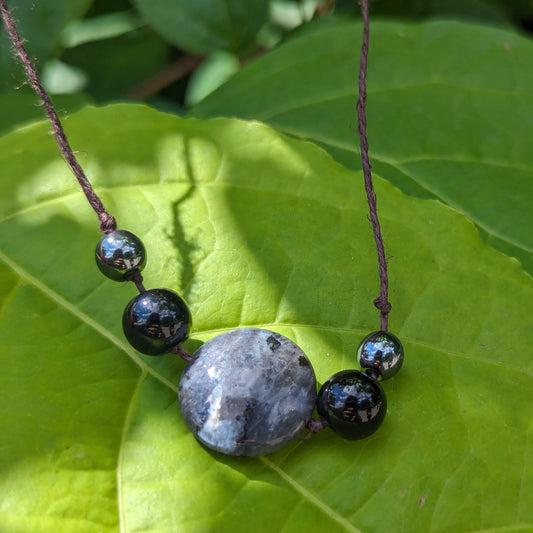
{"type": "Point", "coordinates": [107, 222]}
{"type": "Point", "coordinates": [383, 304]}
{"type": "Point", "coordinates": [315, 425]}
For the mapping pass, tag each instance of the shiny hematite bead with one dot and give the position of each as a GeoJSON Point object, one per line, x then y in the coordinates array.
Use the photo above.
{"type": "Point", "coordinates": [155, 321]}
{"type": "Point", "coordinates": [353, 404]}
{"type": "Point", "coordinates": [381, 351]}
{"type": "Point", "coordinates": [119, 253]}
{"type": "Point", "coordinates": [247, 392]}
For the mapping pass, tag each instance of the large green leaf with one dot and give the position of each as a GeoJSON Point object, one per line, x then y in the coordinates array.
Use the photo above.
{"type": "Point", "coordinates": [450, 108]}
{"type": "Point", "coordinates": [205, 26]}
{"type": "Point", "coordinates": [254, 229]}
{"type": "Point", "coordinates": [40, 24]}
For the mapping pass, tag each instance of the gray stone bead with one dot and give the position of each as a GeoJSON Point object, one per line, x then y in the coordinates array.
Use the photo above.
{"type": "Point", "coordinates": [247, 392]}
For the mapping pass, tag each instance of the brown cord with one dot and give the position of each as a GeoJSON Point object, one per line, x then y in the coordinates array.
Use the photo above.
{"type": "Point", "coordinates": [137, 279]}
{"type": "Point", "coordinates": [315, 425]}
{"type": "Point", "coordinates": [107, 221]}
{"type": "Point", "coordinates": [382, 301]}
{"type": "Point", "coordinates": [184, 354]}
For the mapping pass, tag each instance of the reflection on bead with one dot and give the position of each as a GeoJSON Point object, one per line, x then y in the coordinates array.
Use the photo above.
{"type": "Point", "coordinates": [381, 351]}
{"type": "Point", "coordinates": [155, 321]}
{"type": "Point", "coordinates": [119, 254]}
{"type": "Point", "coordinates": [353, 403]}
{"type": "Point", "coordinates": [247, 392]}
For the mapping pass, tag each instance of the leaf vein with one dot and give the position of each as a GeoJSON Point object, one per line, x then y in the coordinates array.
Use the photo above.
{"type": "Point", "coordinates": [351, 95]}
{"type": "Point", "coordinates": [71, 308]}
{"type": "Point", "coordinates": [349, 148]}
{"type": "Point", "coordinates": [310, 497]}
{"type": "Point", "coordinates": [361, 332]}
{"type": "Point", "coordinates": [120, 460]}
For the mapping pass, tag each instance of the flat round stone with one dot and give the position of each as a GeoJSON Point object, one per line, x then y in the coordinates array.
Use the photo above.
{"type": "Point", "coordinates": [247, 392]}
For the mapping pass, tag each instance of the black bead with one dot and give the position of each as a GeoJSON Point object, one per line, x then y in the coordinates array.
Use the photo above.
{"type": "Point", "coordinates": [381, 351]}
{"type": "Point", "coordinates": [119, 254]}
{"type": "Point", "coordinates": [155, 321]}
{"type": "Point", "coordinates": [353, 403]}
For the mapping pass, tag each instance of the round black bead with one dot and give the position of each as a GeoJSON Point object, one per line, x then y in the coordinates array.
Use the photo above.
{"type": "Point", "coordinates": [381, 351]}
{"type": "Point", "coordinates": [353, 403]}
{"type": "Point", "coordinates": [155, 321]}
{"type": "Point", "coordinates": [119, 254]}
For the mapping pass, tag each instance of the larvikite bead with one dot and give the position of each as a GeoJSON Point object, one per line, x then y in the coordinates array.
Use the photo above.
{"type": "Point", "coordinates": [353, 403]}
{"type": "Point", "coordinates": [381, 351]}
{"type": "Point", "coordinates": [119, 254]}
{"type": "Point", "coordinates": [247, 392]}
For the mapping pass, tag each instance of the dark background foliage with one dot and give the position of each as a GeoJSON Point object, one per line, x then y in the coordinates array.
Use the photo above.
{"type": "Point", "coordinates": [172, 53]}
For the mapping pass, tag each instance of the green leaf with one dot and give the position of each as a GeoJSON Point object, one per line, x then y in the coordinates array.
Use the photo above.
{"type": "Point", "coordinates": [59, 78]}
{"type": "Point", "coordinates": [117, 65]}
{"type": "Point", "coordinates": [40, 23]}
{"type": "Point", "coordinates": [450, 108]}
{"type": "Point", "coordinates": [254, 229]}
{"type": "Point", "coordinates": [22, 106]}
{"type": "Point", "coordinates": [209, 75]}
{"type": "Point", "coordinates": [98, 28]}
{"type": "Point", "coordinates": [204, 26]}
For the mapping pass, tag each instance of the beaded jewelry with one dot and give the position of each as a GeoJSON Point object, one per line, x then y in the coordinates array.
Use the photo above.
{"type": "Point", "coordinates": [249, 391]}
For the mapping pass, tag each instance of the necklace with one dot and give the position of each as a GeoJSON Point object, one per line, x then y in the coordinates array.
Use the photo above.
{"type": "Point", "coordinates": [248, 391]}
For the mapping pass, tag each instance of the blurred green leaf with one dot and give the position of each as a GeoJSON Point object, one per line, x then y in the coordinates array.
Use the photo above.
{"type": "Point", "coordinates": [290, 14]}
{"type": "Point", "coordinates": [99, 28]}
{"type": "Point", "coordinates": [211, 73]}
{"type": "Point", "coordinates": [22, 107]}
{"type": "Point", "coordinates": [450, 108]}
{"type": "Point", "coordinates": [204, 26]}
{"type": "Point", "coordinates": [60, 78]}
{"type": "Point", "coordinates": [254, 229]}
{"type": "Point", "coordinates": [40, 23]}
{"type": "Point", "coordinates": [115, 66]}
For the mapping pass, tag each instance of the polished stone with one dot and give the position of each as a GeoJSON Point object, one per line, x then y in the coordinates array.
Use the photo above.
{"type": "Point", "coordinates": [381, 351]}
{"type": "Point", "coordinates": [119, 254]}
{"type": "Point", "coordinates": [155, 321]}
{"type": "Point", "coordinates": [247, 392]}
{"type": "Point", "coordinates": [353, 403]}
